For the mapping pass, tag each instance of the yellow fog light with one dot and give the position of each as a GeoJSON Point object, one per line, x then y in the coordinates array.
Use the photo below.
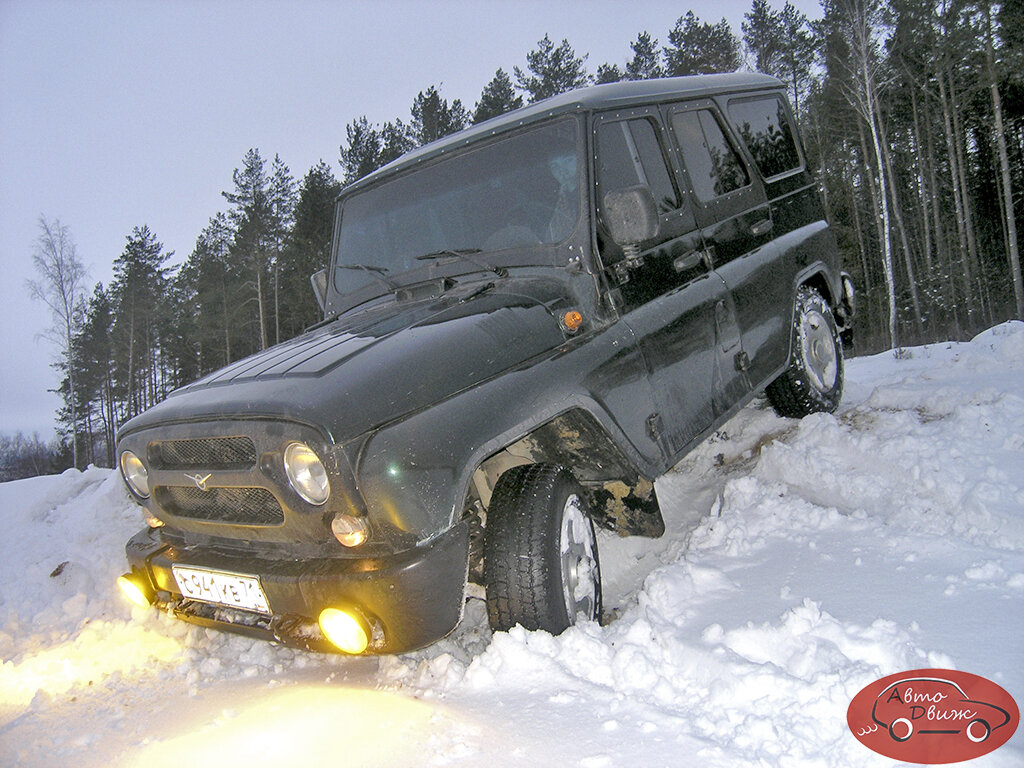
{"type": "Point", "coordinates": [350, 531]}
{"type": "Point", "coordinates": [306, 473]}
{"type": "Point", "coordinates": [133, 591]}
{"type": "Point", "coordinates": [345, 629]}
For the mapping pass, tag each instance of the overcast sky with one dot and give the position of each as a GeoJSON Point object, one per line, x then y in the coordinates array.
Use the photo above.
{"type": "Point", "coordinates": [119, 114]}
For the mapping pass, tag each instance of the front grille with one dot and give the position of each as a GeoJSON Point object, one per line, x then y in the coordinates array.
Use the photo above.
{"type": "Point", "coordinates": [216, 453]}
{"type": "Point", "coordinates": [239, 506]}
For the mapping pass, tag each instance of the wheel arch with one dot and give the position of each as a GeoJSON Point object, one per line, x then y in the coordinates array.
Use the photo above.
{"type": "Point", "coordinates": [620, 497]}
{"type": "Point", "coordinates": [425, 473]}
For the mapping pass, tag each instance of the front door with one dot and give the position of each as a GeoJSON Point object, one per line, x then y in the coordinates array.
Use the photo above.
{"type": "Point", "coordinates": [668, 296]}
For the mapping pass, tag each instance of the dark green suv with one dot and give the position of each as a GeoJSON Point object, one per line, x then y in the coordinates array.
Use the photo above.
{"type": "Point", "coordinates": [525, 323]}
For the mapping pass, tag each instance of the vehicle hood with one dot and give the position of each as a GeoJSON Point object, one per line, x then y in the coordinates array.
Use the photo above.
{"type": "Point", "coordinates": [373, 366]}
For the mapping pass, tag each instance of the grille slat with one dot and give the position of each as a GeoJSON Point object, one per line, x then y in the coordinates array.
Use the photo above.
{"type": "Point", "coordinates": [240, 506]}
{"type": "Point", "coordinates": [211, 453]}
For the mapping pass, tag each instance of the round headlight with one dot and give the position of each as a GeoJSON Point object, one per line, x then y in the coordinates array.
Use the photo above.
{"type": "Point", "coordinates": [135, 474]}
{"type": "Point", "coordinates": [306, 473]}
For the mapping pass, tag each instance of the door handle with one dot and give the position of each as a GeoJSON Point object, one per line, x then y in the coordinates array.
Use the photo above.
{"type": "Point", "coordinates": [692, 260]}
{"type": "Point", "coordinates": [762, 227]}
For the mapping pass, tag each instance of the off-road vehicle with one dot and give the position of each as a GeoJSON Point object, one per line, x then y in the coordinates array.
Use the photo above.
{"type": "Point", "coordinates": [525, 323]}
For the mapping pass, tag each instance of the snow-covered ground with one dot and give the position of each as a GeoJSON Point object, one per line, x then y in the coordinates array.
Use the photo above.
{"type": "Point", "coordinates": [804, 559]}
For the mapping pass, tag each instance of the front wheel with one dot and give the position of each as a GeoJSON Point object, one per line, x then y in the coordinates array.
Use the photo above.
{"type": "Point", "coordinates": [813, 382]}
{"type": "Point", "coordinates": [540, 554]}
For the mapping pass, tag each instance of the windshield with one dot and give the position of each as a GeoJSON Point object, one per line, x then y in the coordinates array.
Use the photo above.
{"type": "Point", "coordinates": [520, 191]}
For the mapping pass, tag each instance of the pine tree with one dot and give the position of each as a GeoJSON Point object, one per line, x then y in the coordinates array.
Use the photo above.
{"type": "Point", "coordinates": [433, 117]}
{"type": "Point", "coordinates": [498, 97]}
{"type": "Point", "coordinates": [551, 70]}
{"type": "Point", "coordinates": [308, 249]}
{"type": "Point", "coordinates": [699, 48]}
{"type": "Point", "coordinates": [762, 34]}
{"type": "Point", "coordinates": [260, 217]}
{"type": "Point", "coordinates": [213, 288]}
{"type": "Point", "coordinates": [395, 140]}
{"type": "Point", "coordinates": [781, 44]}
{"type": "Point", "coordinates": [646, 61]}
{"type": "Point", "coordinates": [94, 366]}
{"type": "Point", "coordinates": [609, 73]}
{"type": "Point", "coordinates": [138, 293]}
{"type": "Point", "coordinates": [282, 204]}
{"type": "Point", "coordinates": [361, 154]}
{"type": "Point", "coordinates": [797, 54]}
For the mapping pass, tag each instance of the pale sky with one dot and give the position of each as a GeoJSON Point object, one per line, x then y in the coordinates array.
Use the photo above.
{"type": "Point", "coordinates": [118, 114]}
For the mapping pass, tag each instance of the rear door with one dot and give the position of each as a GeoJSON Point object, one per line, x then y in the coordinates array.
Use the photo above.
{"type": "Point", "coordinates": [668, 298]}
{"type": "Point", "coordinates": [733, 215]}
{"type": "Point", "coordinates": [764, 282]}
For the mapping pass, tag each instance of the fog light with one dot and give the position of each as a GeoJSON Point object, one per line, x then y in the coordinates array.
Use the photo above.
{"type": "Point", "coordinates": [345, 629]}
{"type": "Point", "coordinates": [133, 591]}
{"type": "Point", "coordinates": [349, 530]}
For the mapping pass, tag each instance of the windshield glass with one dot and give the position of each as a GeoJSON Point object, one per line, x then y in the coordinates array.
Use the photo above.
{"type": "Point", "coordinates": [520, 191]}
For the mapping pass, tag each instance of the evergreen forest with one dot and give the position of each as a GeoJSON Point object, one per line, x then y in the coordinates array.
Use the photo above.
{"type": "Point", "coordinates": [912, 113]}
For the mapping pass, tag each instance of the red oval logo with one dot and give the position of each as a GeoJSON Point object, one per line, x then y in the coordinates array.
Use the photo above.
{"type": "Point", "coordinates": [933, 716]}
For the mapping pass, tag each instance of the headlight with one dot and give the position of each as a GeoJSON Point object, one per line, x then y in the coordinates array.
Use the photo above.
{"type": "Point", "coordinates": [135, 474]}
{"type": "Point", "coordinates": [306, 473]}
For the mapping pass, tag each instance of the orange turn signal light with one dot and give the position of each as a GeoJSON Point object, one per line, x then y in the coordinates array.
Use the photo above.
{"type": "Point", "coordinates": [572, 320]}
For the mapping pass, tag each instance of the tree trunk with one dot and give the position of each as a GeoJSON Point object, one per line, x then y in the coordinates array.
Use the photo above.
{"type": "Point", "coordinates": [923, 161]}
{"type": "Point", "coordinates": [961, 161]}
{"type": "Point", "coordinates": [954, 174]}
{"type": "Point", "coordinates": [890, 282]}
{"type": "Point", "coordinates": [907, 256]}
{"type": "Point", "coordinates": [259, 300]}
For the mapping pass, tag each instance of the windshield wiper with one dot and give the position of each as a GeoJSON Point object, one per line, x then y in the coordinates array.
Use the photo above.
{"type": "Point", "coordinates": [467, 255]}
{"type": "Point", "coordinates": [377, 273]}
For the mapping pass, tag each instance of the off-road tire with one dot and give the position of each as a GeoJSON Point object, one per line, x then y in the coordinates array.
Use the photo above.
{"type": "Point", "coordinates": [525, 572]}
{"type": "Point", "coordinates": [813, 382]}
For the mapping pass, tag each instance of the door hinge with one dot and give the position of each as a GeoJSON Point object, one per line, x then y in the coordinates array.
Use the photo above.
{"type": "Point", "coordinates": [654, 426]}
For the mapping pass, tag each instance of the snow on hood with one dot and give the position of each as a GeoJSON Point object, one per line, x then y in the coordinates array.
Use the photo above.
{"type": "Point", "coordinates": [804, 559]}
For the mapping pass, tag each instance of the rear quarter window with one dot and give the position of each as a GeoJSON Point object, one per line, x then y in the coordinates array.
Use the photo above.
{"type": "Point", "coordinates": [765, 128]}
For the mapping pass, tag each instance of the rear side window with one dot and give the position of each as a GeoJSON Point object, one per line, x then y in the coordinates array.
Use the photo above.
{"type": "Point", "coordinates": [714, 167]}
{"type": "Point", "coordinates": [766, 130]}
{"type": "Point", "coordinates": [628, 153]}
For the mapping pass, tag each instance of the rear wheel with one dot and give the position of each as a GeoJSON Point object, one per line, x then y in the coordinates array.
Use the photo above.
{"type": "Point", "coordinates": [978, 730]}
{"type": "Point", "coordinates": [814, 380]}
{"type": "Point", "coordinates": [541, 566]}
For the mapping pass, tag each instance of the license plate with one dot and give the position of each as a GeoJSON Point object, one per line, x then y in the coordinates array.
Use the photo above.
{"type": "Point", "coordinates": [231, 589]}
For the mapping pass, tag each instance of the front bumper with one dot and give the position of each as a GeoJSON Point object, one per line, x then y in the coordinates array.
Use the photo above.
{"type": "Point", "coordinates": [410, 600]}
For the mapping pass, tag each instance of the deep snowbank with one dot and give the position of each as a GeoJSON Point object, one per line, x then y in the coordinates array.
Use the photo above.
{"type": "Point", "coordinates": [803, 560]}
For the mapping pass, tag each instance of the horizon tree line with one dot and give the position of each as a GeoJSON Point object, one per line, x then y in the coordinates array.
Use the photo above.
{"type": "Point", "coordinates": [912, 113]}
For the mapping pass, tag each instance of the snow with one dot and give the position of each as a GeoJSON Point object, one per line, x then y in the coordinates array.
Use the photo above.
{"type": "Point", "coordinates": [803, 560]}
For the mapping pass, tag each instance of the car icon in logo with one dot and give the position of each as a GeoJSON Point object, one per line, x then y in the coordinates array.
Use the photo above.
{"type": "Point", "coordinates": [932, 706]}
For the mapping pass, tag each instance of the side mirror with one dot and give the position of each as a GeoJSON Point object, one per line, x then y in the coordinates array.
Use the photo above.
{"type": "Point", "coordinates": [631, 215]}
{"type": "Point", "coordinates": [319, 282]}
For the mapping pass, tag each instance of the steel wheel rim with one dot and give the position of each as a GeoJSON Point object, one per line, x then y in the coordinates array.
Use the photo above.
{"type": "Point", "coordinates": [819, 350]}
{"type": "Point", "coordinates": [579, 563]}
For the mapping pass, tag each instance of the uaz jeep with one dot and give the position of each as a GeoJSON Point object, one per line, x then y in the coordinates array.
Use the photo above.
{"type": "Point", "coordinates": [525, 323]}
